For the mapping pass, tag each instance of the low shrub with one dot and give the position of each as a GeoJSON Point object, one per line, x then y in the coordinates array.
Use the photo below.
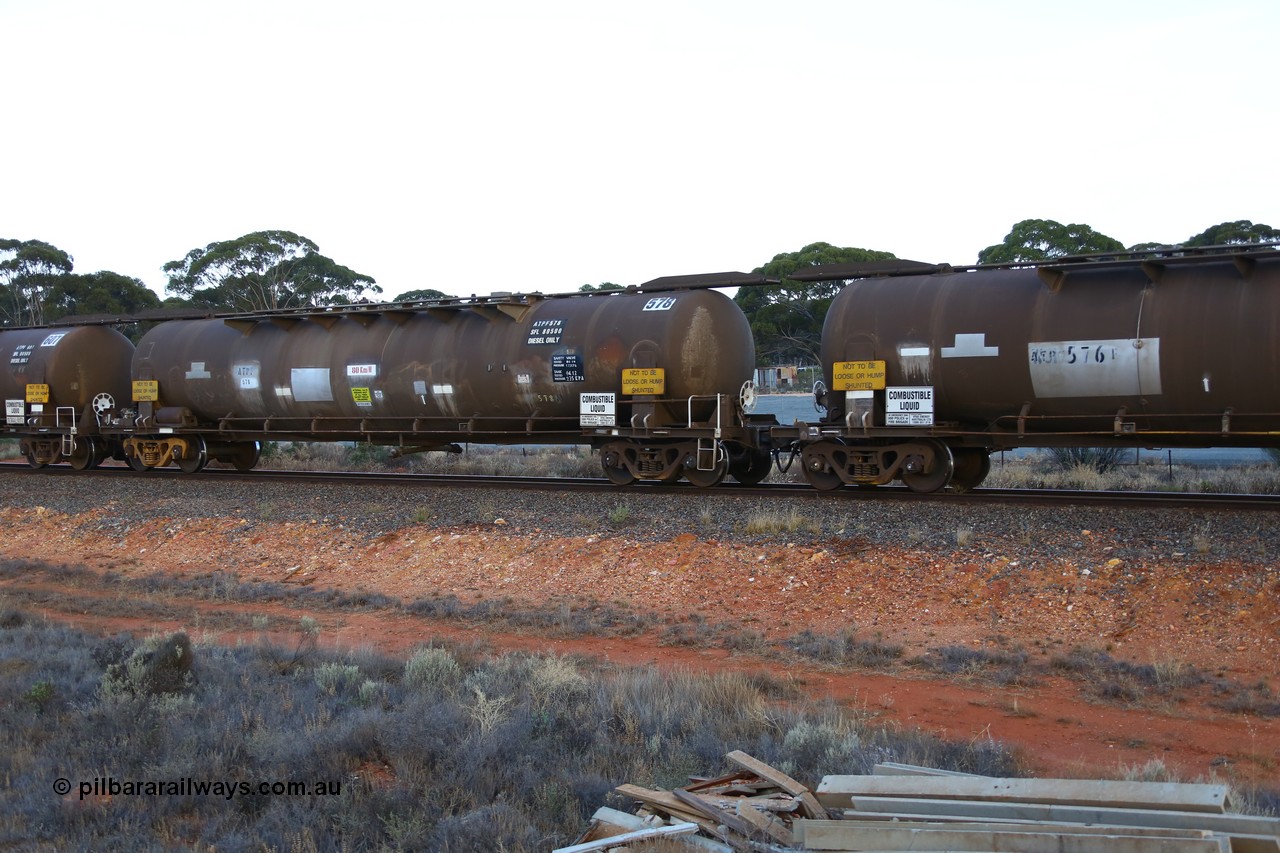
{"type": "Point", "coordinates": [844, 649]}
{"type": "Point", "coordinates": [512, 752]}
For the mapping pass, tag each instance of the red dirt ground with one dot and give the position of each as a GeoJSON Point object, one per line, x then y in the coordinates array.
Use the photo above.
{"type": "Point", "coordinates": [1223, 618]}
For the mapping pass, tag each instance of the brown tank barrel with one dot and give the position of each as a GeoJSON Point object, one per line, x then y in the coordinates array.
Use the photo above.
{"type": "Point", "coordinates": [77, 363]}
{"type": "Point", "coordinates": [518, 358]}
{"type": "Point", "coordinates": [1182, 341]}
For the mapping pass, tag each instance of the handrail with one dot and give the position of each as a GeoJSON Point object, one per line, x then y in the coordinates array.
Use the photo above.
{"type": "Point", "coordinates": [719, 427]}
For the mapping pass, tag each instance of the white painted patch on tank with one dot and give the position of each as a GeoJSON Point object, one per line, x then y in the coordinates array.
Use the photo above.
{"type": "Point", "coordinates": [246, 376]}
{"type": "Point", "coordinates": [197, 371]}
{"type": "Point", "coordinates": [970, 346]}
{"type": "Point", "coordinates": [444, 398]}
{"type": "Point", "coordinates": [311, 385]}
{"type": "Point", "coordinates": [1119, 367]}
{"type": "Point", "coordinates": [525, 392]}
{"type": "Point", "coordinates": [915, 363]}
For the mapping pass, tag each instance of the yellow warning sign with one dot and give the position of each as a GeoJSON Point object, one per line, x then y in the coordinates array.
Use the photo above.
{"type": "Point", "coordinates": [362, 396]}
{"type": "Point", "coordinates": [146, 390]}
{"type": "Point", "coordinates": [857, 376]}
{"type": "Point", "coordinates": [37, 393]}
{"type": "Point", "coordinates": [644, 380]}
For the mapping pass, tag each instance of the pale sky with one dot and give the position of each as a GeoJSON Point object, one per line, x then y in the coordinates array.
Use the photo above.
{"type": "Point", "coordinates": [503, 145]}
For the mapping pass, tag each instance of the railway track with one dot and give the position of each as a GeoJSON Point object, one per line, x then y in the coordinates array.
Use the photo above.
{"type": "Point", "coordinates": [985, 496]}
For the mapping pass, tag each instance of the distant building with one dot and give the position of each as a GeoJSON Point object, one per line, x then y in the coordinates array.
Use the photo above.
{"type": "Point", "coordinates": [780, 378]}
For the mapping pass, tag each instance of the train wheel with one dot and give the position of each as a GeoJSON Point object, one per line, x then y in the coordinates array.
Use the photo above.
{"type": "Point", "coordinates": [944, 466]}
{"type": "Point", "coordinates": [33, 462]}
{"type": "Point", "coordinates": [817, 469]}
{"type": "Point", "coordinates": [823, 481]}
{"type": "Point", "coordinates": [972, 467]}
{"type": "Point", "coordinates": [751, 467]}
{"type": "Point", "coordinates": [619, 476]}
{"type": "Point", "coordinates": [707, 479]}
{"type": "Point", "coordinates": [245, 456]}
{"type": "Point", "coordinates": [614, 468]}
{"type": "Point", "coordinates": [87, 453]}
{"type": "Point", "coordinates": [136, 463]}
{"type": "Point", "coordinates": [196, 458]}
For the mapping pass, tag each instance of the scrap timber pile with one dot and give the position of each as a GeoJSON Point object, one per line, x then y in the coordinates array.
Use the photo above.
{"type": "Point", "coordinates": [759, 809]}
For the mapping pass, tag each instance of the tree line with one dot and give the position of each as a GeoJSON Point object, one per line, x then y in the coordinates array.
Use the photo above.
{"type": "Point", "coordinates": [786, 318]}
{"type": "Point", "coordinates": [269, 270]}
{"type": "Point", "coordinates": [262, 271]}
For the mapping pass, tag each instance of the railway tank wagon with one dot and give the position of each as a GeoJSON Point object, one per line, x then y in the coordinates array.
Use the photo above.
{"type": "Point", "coordinates": [926, 375]}
{"type": "Point", "coordinates": [61, 387]}
{"type": "Point", "coordinates": [653, 378]}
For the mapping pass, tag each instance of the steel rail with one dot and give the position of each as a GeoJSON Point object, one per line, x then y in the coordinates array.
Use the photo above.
{"type": "Point", "coordinates": [980, 496]}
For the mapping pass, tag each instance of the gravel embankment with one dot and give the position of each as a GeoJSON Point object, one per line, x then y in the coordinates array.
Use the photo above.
{"type": "Point", "coordinates": [369, 511]}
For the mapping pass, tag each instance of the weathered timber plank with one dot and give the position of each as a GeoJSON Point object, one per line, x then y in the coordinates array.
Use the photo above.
{"type": "Point", "coordinates": [738, 779]}
{"type": "Point", "coordinates": [607, 822]}
{"type": "Point", "coordinates": [634, 835]}
{"type": "Point", "coordinates": [764, 771]}
{"type": "Point", "coordinates": [855, 819]}
{"type": "Point", "coordinates": [778, 802]}
{"type": "Point", "coordinates": [836, 791]}
{"type": "Point", "coordinates": [809, 804]}
{"type": "Point", "coordinates": [1231, 824]}
{"type": "Point", "coordinates": [838, 835]}
{"type": "Point", "coordinates": [715, 815]}
{"type": "Point", "coordinates": [699, 842]}
{"type": "Point", "coordinates": [894, 768]}
{"type": "Point", "coordinates": [1240, 842]}
{"type": "Point", "coordinates": [1255, 843]}
{"type": "Point", "coordinates": [613, 817]}
{"type": "Point", "coordinates": [766, 823]}
{"type": "Point", "coordinates": [666, 802]}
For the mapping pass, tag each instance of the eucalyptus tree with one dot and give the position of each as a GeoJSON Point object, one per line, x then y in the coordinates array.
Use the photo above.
{"type": "Point", "coordinates": [1042, 239]}
{"type": "Point", "coordinates": [421, 295]}
{"type": "Point", "coordinates": [264, 271]}
{"type": "Point", "coordinates": [1233, 233]}
{"type": "Point", "coordinates": [28, 269]}
{"type": "Point", "coordinates": [98, 293]}
{"type": "Point", "coordinates": [786, 318]}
